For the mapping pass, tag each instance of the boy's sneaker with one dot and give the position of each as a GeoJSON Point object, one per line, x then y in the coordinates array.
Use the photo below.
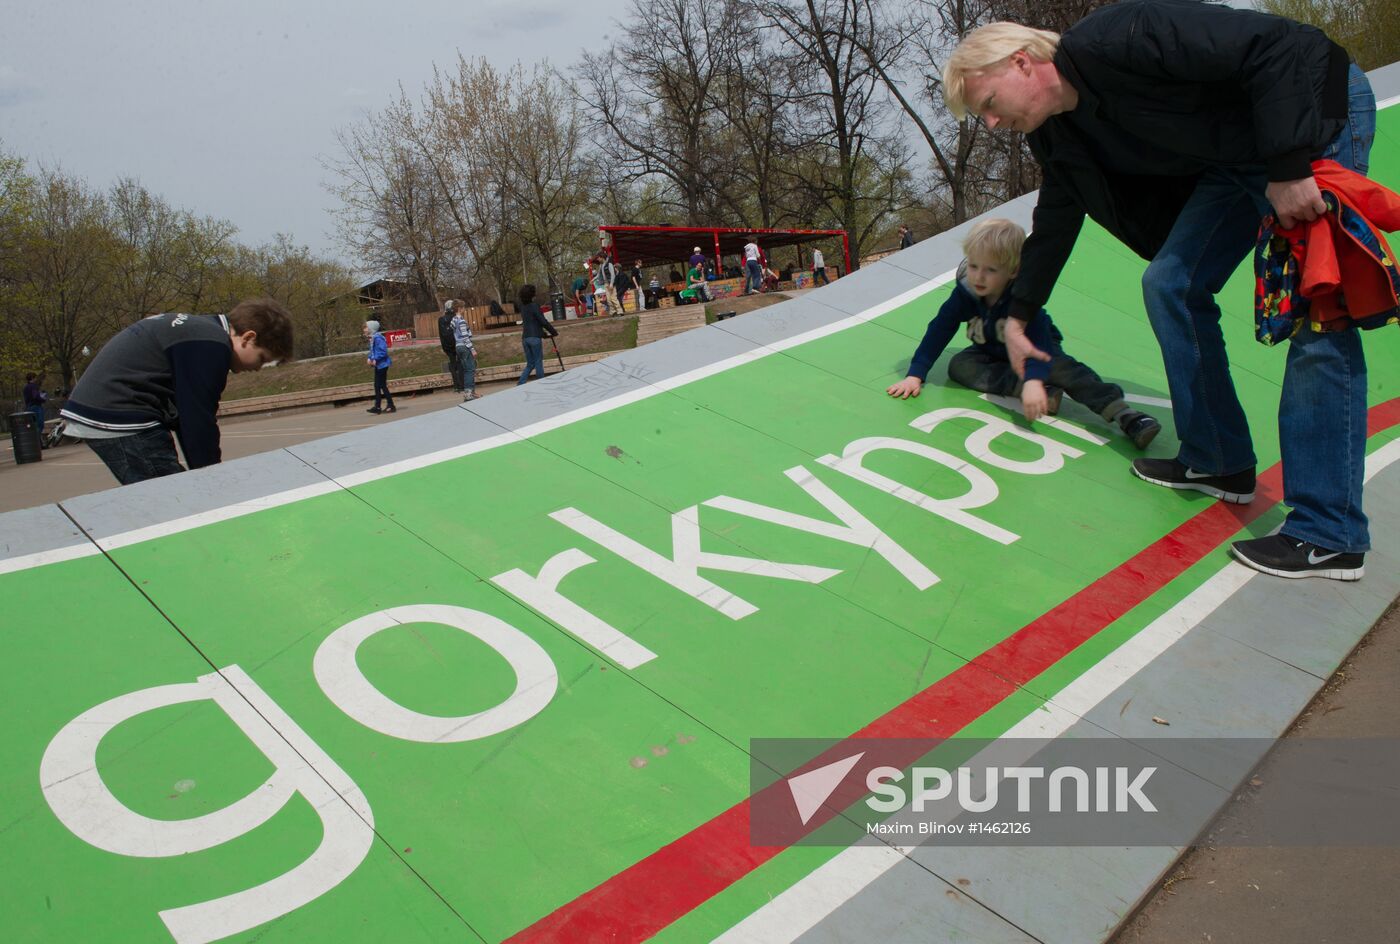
{"type": "Point", "coordinates": [374, 409]}
{"type": "Point", "coordinates": [1139, 427]}
{"type": "Point", "coordinates": [1237, 488]}
{"type": "Point", "coordinates": [1283, 556]}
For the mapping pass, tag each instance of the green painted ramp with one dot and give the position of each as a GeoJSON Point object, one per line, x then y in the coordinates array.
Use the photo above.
{"type": "Point", "coordinates": [494, 674]}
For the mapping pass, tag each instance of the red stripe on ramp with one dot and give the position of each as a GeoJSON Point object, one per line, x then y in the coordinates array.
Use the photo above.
{"type": "Point", "coordinates": [641, 900]}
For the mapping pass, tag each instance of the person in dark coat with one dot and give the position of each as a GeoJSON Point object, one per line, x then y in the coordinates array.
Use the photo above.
{"type": "Point", "coordinates": [1178, 126]}
{"type": "Point", "coordinates": [535, 328]}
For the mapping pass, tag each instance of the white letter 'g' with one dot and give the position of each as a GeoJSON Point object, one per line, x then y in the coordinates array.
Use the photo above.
{"type": "Point", "coordinates": [81, 800]}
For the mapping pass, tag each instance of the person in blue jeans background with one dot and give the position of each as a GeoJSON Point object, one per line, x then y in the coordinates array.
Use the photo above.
{"type": "Point", "coordinates": [34, 397]}
{"type": "Point", "coordinates": [1177, 125]}
{"type": "Point", "coordinates": [380, 360]}
{"type": "Point", "coordinates": [534, 328]}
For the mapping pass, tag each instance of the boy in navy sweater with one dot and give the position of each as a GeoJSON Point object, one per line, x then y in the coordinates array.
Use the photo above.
{"type": "Point", "coordinates": [981, 299]}
{"type": "Point", "coordinates": [167, 372]}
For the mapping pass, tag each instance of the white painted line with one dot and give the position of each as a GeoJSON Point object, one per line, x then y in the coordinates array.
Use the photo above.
{"type": "Point", "coordinates": [1381, 458]}
{"type": "Point", "coordinates": [800, 907]}
{"type": "Point", "coordinates": [238, 510]}
{"type": "Point", "coordinates": [1148, 401]}
{"type": "Point", "coordinates": [1394, 99]}
{"type": "Point", "coordinates": [40, 558]}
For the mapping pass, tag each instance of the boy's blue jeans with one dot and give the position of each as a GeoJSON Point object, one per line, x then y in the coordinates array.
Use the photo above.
{"type": "Point", "coordinates": [145, 455]}
{"type": "Point", "coordinates": [1322, 413]}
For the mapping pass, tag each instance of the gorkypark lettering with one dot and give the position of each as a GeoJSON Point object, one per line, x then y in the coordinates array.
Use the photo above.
{"type": "Point", "coordinates": [86, 806]}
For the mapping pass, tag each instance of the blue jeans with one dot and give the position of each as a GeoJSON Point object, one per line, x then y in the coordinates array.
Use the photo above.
{"type": "Point", "coordinates": [145, 455]}
{"type": "Point", "coordinates": [534, 359]}
{"type": "Point", "coordinates": [1322, 412]}
{"type": "Point", "coordinates": [755, 277]}
{"type": "Point", "coordinates": [466, 368]}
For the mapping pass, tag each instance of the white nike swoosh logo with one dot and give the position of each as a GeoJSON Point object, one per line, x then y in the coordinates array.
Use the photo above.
{"type": "Point", "coordinates": [1193, 474]}
{"type": "Point", "coordinates": [1315, 558]}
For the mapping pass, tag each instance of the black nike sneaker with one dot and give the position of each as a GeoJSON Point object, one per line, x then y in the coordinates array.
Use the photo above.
{"type": "Point", "coordinates": [1237, 487]}
{"type": "Point", "coordinates": [1282, 556]}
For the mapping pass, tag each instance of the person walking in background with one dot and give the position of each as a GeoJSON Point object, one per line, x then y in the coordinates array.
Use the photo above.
{"type": "Point", "coordinates": [906, 238]}
{"type": "Point", "coordinates": [819, 268]}
{"type": "Point", "coordinates": [449, 343]}
{"type": "Point", "coordinates": [380, 360]}
{"type": "Point", "coordinates": [34, 397]}
{"type": "Point", "coordinates": [602, 285]}
{"type": "Point", "coordinates": [753, 266]}
{"type": "Point", "coordinates": [622, 281]}
{"type": "Point", "coordinates": [531, 335]}
{"type": "Point", "coordinates": [638, 287]}
{"type": "Point", "coordinates": [466, 352]}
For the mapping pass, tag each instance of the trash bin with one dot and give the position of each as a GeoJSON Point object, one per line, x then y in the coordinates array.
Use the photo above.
{"type": "Point", "coordinates": [26, 437]}
{"type": "Point", "coordinates": [556, 306]}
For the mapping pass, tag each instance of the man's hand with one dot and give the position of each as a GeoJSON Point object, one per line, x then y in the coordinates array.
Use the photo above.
{"type": "Point", "coordinates": [906, 388]}
{"type": "Point", "coordinates": [1034, 402]}
{"type": "Point", "coordinates": [1295, 201]}
{"type": "Point", "coordinates": [1019, 347]}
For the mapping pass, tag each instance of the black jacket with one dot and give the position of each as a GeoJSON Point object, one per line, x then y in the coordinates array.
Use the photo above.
{"type": "Point", "coordinates": [446, 338]}
{"type": "Point", "coordinates": [1188, 85]}
{"type": "Point", "coordinates": [533, 324]}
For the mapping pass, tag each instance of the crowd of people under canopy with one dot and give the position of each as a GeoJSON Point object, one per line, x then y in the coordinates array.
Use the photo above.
{"type": "Point", "coordinates": [603, 286]}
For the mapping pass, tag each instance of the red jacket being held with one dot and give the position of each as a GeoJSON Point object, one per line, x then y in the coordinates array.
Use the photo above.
{"type": "Point", "coordinates": [1348, 269]}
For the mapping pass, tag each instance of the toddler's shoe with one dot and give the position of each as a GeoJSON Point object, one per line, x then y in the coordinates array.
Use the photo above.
{"type": "Point", "coordinates": [1139, 427]}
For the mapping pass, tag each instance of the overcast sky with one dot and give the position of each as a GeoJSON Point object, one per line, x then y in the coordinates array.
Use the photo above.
{"type": "Point", "coordinates": [226, 108]}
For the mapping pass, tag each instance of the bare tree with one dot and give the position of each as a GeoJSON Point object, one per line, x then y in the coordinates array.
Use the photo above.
{"type": "Point", "coordinates": [538, 132]}
{"type": "Point", "coordinates": [853, 163]}
{"type": "Point", "coordinates": [393, 216]}
{"type": "Point", "coordinates": [653, 92]}
{"type": "Point", "coordinates": [754, 95]}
